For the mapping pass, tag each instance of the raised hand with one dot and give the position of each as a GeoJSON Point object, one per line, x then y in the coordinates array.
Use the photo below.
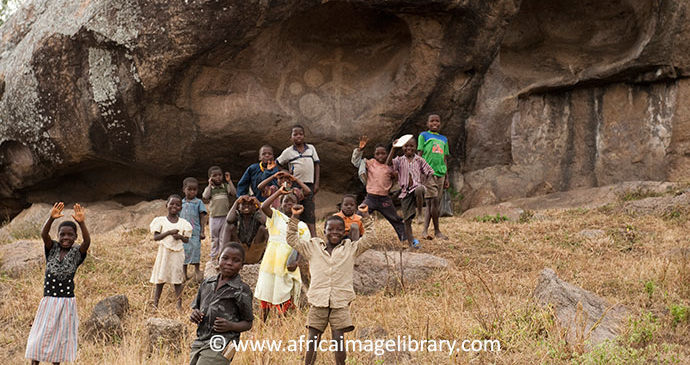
{"type": "Point", "coordinates": [56, 211]}
{"type": "Point", "coordinates": [210, 182]}
{"type": "Point", "coordinates": [227, 176]}
{"type": "Point", "coordinates": [79, 214]}
{"type": "Point", "coordinates": [363, 142]}
{"type": "Point", "coordinates": [297, 209]}
{"type": "Point", "coordinates": [284, 189]}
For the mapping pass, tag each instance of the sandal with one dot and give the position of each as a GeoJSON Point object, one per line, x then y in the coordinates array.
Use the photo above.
{"type": "Point", "coordinates": [415, 244]}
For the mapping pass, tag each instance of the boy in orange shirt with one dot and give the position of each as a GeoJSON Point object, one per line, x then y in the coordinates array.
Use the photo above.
{"type": "Point", "coordinates": [353, 222]}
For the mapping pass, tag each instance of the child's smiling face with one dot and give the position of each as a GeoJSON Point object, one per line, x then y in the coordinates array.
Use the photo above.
{"type": "Point", "coordinates": [434, 123]}
{"type": "Point", "coordinates": [410, 148]}
{"type": "Point", "coordinates": [230, 262]}
{"type": "Point", "coordinates": [190, 190]}
{"type": "Point", "coordinates": [66, 236]}
{"type": "Point", "coordinates": [174, 206]}
{"type": "Point", "coordinates": [380, 154]}
{"type": "Point", "coordinates": [348, 206]}
{"type": "Point", "coordinates": [247, 206]}
{"type": "Point", "coordinates": [335, 231]}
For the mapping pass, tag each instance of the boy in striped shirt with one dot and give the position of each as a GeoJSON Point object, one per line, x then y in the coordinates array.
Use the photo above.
{"type": "Point", "coordinates": [412, 171]}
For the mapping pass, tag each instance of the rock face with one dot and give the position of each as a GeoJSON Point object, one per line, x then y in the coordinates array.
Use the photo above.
{"type": "Point", "coordinates": [101, 217]}
{"type": "Point", "coordinates": [21, 256]}
{"type": "Point", "coordinates": [582, 94]}
{"type": "Point", "coordinates": [106, 319]}
{"type": "Point", "coordinates": [374, 271]}
{"type": "Point", "coordinates": [166, 334]}
{"type": "Point", "coordinates": [124, 98]}
{"type": "Point", "coordinates": [121, 99]}
{"type": "Point", "coordinates": [578, 310]}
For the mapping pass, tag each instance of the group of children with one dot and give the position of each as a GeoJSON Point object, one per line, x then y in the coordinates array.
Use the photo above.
{"type": "Point", "coordinates": [272, 221]}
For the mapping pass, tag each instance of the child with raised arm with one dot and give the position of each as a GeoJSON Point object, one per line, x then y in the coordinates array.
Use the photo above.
{"type": "Point", "coordinates": [219, 194]}
{"type": "Point", "coordinates": [247, 225]}
{"type": "Point", "coordinates": [331, 265]}
{"type": "Point", "coordinates": [193, 211]}
{"type": "Point", "coordinates": [302, 161]}
{"type": "Point", "coordinates": [412, 171]}
{"type": "Point", "coordinates": [171, 232]}
{"type": "Point", "coordinates": [286, 179]}
{"type": "Point", "coordinates": [433, 147]}
{"type": "Point", "coordinates": [353, 222]}
{"type": "Point", "coordinates": [53, 335]}
{"type": "Point", "coordinates": [279, 282]}
{"type": "Point", "coordinates": [258, 172]}
{"type": "Point", "coordinates": [378, 178]}
{"type": "Point", "coordinates": [222, 307]}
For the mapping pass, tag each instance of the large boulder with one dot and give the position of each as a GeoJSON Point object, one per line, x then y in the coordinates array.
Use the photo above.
{"type": "Point", "coordinates": [588, 318]}
{"type": "Point", "coordinates": [376, 270]}
{"type": "Point", "coordinates": [166, 334]}
{"type": "Point", "coordinates": [582, 94]}
{"type": "Point", "coordinates": [124, 98]}
{"type": "Point", "coordinates": [21, 256]}
{"type": "Point", "coordinates": [106, 319]}
{"type": "Point", "coordinates": [101, 217]}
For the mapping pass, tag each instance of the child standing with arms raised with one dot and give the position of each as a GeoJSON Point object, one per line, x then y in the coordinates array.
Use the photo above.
{"type": "Point", "coordinates": [171, 232]}
{"type": "Point", "coordinates": [302, 161]}
{"type": "Point", "coordinates": [53, 336]}
{"type": "Point", "coordinates": [433, 147]}
{"type": "Point", "coordinates": [218, 193]}
{"type": "Point", "coordinates": [280, 281]}
{"type": "Point", "coordinates": [378, 179]}
{"type": "Point", "coordinates": [193, 211]}
{"type": "Point", "coordinates": [331, 264]}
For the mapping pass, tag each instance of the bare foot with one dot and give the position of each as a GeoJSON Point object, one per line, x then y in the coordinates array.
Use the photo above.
{"type": "Point", "coordinates": [419, 220]}
{"type": "Point", "coordinates": [427, 236]}
{"type": "Point", "coordinates": [441, 236]}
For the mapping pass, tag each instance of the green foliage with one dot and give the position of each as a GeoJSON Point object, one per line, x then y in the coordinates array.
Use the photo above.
{"type": "Point", "coordinates": [679, 313]}
{"type": "Point", "coordinates": [649, 287]}
{"type": "Point", "coordinates": [498, 218]}
{"type": "Point", "coordinates": [638, 194]}
{"type": "Point", "coordinates": [642, 330]}
{"type": "Point", "coordinates": [7, 7]}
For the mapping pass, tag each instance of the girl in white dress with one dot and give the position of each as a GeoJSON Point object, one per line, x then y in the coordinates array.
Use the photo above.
{"type": "Point", "coordinates": [171, 232]}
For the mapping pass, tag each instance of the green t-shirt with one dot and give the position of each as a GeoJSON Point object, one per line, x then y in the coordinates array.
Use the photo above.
{"type": "Point", "coordinates": [434, 148]}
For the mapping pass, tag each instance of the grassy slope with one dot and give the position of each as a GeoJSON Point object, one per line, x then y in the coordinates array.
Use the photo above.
{"type": "Point", "coordinates": [628, 265]}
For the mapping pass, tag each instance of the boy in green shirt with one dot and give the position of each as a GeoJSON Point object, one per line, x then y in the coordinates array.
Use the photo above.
{"type": "Point", "coordinates": [433, 147]}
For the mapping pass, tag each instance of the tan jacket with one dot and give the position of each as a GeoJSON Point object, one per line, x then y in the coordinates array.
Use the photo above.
{"type": "Point", "coordinates": [331, 275]}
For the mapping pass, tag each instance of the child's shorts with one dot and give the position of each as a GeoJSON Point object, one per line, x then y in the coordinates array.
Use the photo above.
{"type": "Point", "coordinates": [339, 318]}
{"type": "Point", "coordinates": [434, 186]}
{"type": "Point", "coordinates": [309, 214]}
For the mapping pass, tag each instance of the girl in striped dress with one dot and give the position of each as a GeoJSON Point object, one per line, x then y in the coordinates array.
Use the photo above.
{"type": "Point", "coordinates": [53, 336]}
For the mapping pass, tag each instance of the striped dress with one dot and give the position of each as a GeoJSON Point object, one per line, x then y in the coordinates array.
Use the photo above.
{"type": "Point", "coordinates": [53, 336]}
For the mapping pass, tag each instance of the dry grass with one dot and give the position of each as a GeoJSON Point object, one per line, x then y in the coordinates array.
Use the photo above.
{"type": "Point", "coordinates": [486, 294]}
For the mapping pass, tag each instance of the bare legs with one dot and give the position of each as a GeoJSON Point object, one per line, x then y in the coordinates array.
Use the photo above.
{"type": "Point", "coordinates": [159, 289]}
{"type": "Point", "coordinates": [315, 338]}
{"type": "Point", "coordinates": [432, 212]}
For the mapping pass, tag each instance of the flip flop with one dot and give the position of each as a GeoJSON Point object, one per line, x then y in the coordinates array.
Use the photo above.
{"type": "Point", "coordinates": [415, 244]}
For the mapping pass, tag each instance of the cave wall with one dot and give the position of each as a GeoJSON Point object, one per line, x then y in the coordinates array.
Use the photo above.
{"type": "Point", "coordinates": [122, 99]}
